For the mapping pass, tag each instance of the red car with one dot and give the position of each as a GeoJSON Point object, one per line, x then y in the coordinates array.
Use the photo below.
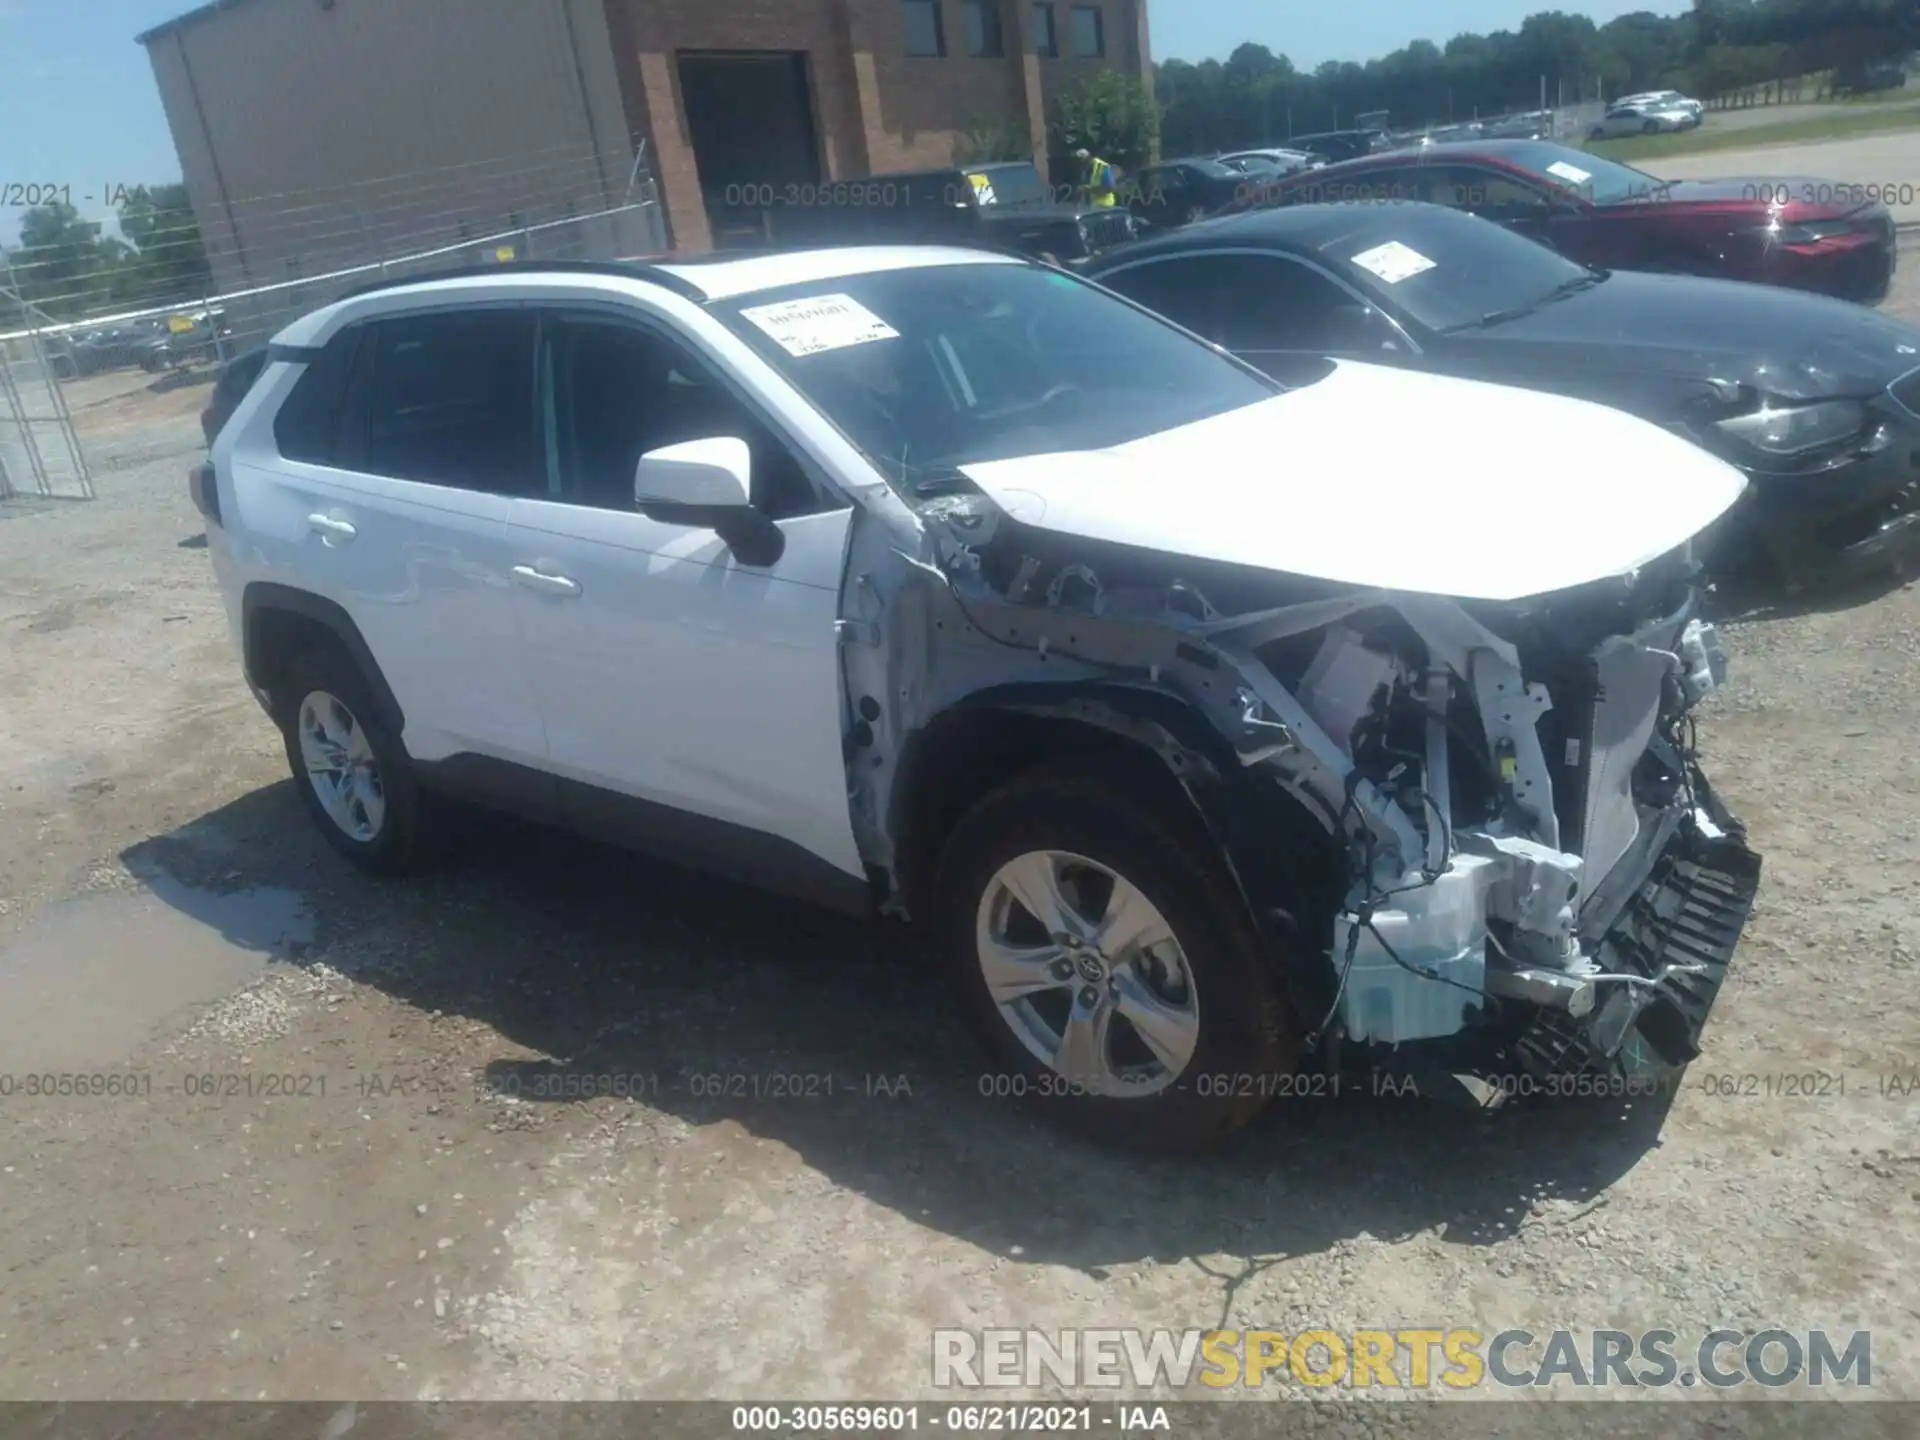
{"type": "Point", "coordinates": [1808, 234]}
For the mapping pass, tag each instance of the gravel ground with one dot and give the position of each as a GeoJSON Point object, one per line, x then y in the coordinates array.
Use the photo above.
{"type": "Point", "coordinates": [406, 1223]}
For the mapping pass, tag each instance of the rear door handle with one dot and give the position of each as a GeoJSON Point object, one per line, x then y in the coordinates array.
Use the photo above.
{"type": "Point", "coordinates": [331, 530]}
{"type": "Point", "coordinates": [546, 584]}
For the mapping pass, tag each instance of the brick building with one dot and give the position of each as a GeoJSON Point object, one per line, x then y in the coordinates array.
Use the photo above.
{"type": "Point", "coordinates": [835, 89]}
{"type": "Point", "coordinates": [319, 133]}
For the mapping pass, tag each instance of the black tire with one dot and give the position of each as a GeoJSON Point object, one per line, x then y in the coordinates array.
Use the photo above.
{"type": "Point", "coordinates": [1652, 127]}
{"type": "Point", "coordinates": [1247, 1036]}
{"type": "Point", "coordinates": [405, 840]}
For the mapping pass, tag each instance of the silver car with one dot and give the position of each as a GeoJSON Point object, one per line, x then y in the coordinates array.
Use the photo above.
{"type": "Point", "coordinates": [1642, 119]}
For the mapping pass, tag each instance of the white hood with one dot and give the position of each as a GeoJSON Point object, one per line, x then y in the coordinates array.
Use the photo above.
{"type": "Point", "coordinates": [1392, 479]}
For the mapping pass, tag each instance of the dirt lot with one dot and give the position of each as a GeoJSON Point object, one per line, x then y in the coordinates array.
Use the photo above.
{"type": "Point", "coordinates": [400, 1220]}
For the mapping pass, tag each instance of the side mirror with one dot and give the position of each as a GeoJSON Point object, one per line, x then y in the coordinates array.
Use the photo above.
{"type": "Point", "coordinates": [706, 474]}
{"type": "Point", "coordinates": [708, 484]}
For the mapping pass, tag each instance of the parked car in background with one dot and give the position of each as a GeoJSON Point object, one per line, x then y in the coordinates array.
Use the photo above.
{"type": "Point", "coordinates": [1005, 204]}
{"type": "Point", "coordinates": [109, 347]}
{"type": "Point", "coordinates": [1665, 99]}
{"type": "Point", "coordinates": [1338, 145]}
{"type": "Point", "coordinates": [938, 583]}
{"type": "Point", "coordinates": [1258, 166]}
{"type": "Point", "coordinates": [1644, 118]}
{"type": "Point", "coordinates": [194, 337]}
{"type": "Point", "coordinates": [1284, 160]}
{"type": "Point", "coordinates": [1817, 400]}
{"type": "Point", "coordinates": [229, 389]}
{"type": "Point", "coordinates": [1805, 233]}
{"type": "Point", "coordinates": [1532, 125]}
{"type": "Point", "coordinates": [1178, 192]}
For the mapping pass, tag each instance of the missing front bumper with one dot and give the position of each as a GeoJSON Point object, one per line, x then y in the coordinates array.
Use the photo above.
{"type": "Point", "coordinates": [1669, 951]}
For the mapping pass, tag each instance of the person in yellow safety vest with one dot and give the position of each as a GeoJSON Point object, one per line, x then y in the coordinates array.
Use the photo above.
{"type": "Point", "coordinates": [1103, 179]}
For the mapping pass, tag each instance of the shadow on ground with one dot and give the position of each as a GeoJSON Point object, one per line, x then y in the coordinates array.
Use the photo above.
{"type": "Point", "coordinates": [1750, 604]}
{"type": "Point", "coordinates": [184, 379]}
{"type": "Point", "coordinates": [731, 1005]}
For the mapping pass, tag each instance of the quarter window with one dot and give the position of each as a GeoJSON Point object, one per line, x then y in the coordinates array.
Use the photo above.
{"type": "Point", "coordinates": [308, 427]}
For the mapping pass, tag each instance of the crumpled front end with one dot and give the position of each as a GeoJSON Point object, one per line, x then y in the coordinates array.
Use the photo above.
{"type": "Point", "coordinates": [1544, 882]}
{"type": "Point", "coordinates": [1514, 864]}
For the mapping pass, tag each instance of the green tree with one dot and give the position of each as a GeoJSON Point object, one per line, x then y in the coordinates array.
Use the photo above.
{"type": "Point", "coordinates": [170, 259]}
{"type": "Point", "coordinates": [988, 139]}
{"type": "Point", "coordinates": [1111, 114]}
{"type": "Point", "coordinates": [60, 264]}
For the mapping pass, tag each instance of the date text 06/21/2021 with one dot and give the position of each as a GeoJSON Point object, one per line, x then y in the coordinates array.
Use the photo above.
{"type": "Point", "coordinates": [989, 1419]}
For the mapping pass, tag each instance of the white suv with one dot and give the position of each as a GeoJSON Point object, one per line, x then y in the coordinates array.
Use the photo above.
{"type": "Point", "coordinates": [1217, 738]}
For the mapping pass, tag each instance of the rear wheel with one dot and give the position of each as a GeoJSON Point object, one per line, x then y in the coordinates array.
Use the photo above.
{"type": "Point", "coordinates": [1652, 127]}
{"type": "Point", "coordinates": [353, 774]}
{"type": "Point", "coordinates": [1107, 959]}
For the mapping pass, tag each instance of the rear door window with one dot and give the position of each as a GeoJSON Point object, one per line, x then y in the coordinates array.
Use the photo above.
{"type": "Point", "coordinates": [452, 400]}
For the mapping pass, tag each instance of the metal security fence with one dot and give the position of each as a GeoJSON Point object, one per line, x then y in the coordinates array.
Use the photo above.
{"type": "Point", "coordinates": [40, 451]}
{"type": "Point", "coordinates": [300, 251]}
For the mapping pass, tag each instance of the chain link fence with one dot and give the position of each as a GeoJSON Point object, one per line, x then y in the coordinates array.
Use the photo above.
{"type": "Point", "coordinates": [87, 386]}
{"type": "Point", "coordinates": [40, 451]}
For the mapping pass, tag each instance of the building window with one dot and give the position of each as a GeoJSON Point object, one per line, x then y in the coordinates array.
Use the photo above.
{"type": "Point", "coordinates": [923, 27]}
{"type": "Point", "coordinates": [1089, 32]}
{"type": "Point", "coordinates": [1045, 42]}
{"type": "Point", "coordinates": [983, 29]}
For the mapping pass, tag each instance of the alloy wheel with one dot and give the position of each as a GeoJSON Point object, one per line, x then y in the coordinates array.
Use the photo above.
{"type": "Point", "coordinates": [341, 767]}
{"type": "Point", "coordinates": [1087, 973]}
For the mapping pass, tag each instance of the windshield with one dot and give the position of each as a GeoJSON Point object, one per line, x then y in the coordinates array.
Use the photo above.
{"type": "Point", "coordinates": [1008, 185]}
{"type": "Point", "coordinates": [1444, 268]}
{"type": "Point", "coordinates": [934, 367]}
{"type": "Point", "coordinates": [1605, 182]}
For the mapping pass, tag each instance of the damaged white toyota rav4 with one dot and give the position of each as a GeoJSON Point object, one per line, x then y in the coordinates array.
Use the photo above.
{"type": "Point", "coordinates": [1219, 731]}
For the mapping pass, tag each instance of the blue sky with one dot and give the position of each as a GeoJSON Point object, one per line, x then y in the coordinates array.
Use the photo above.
{"type": "Point", "coordinates": [78, 105]}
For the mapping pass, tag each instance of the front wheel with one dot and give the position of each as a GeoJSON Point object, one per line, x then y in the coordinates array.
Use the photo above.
{"type": "Point", "coordinates": [1107, 959]}
{"type": "Point", "coordinates": [1652, 127]}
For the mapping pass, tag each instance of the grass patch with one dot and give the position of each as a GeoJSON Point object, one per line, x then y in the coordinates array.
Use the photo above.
{"type": "Point", "coordinates": [1849, 121]}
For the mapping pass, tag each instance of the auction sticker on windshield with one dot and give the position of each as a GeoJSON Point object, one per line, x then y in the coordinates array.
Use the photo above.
{"type": "Point", "coordinates": [1393, 262]}
{"type": "Point", "coordinates": [823, 322]}
{"type": "Point", "coordinates": [1572, 174]}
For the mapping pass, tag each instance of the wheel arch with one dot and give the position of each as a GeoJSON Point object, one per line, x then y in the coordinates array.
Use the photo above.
{"type": "Point", "coordinates": [1277, 853]}
{"type": "Point", "coordinates": [279, 621]}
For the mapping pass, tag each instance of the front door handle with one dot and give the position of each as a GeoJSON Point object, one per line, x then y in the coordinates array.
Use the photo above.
{"type": "Point", "coordinates": [334, 532]}
{"type": "Point", "coordinates": [546, 584]}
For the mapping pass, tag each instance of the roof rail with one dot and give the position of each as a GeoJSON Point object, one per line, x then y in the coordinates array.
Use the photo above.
{"type": "Point", "coordinates": [627, 269]}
